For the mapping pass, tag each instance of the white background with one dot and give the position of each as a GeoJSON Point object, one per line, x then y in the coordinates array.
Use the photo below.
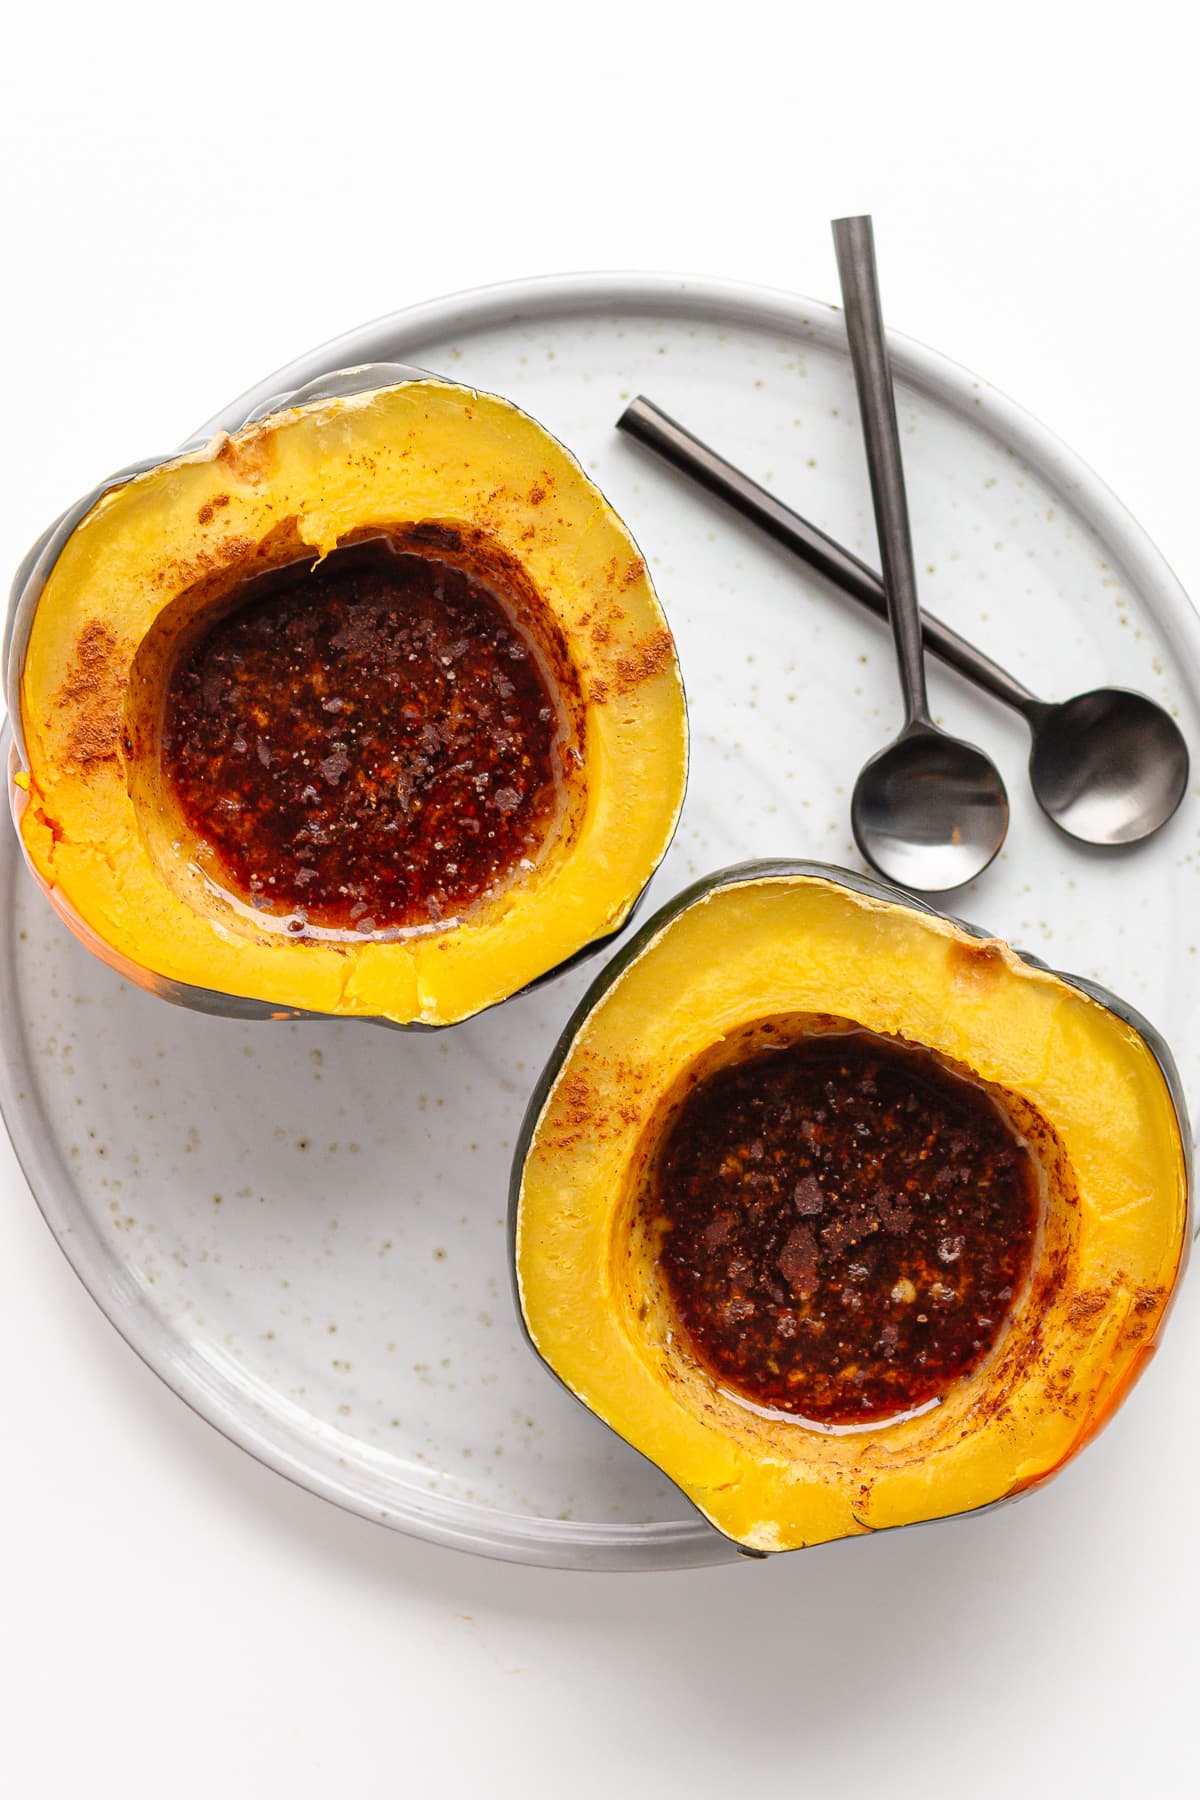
{"type": "Point", "coordinates": [193, 195]}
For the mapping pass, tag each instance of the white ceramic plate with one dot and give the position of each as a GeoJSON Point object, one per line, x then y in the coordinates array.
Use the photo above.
{"type": "Point", "coordinates": [301, 1227]}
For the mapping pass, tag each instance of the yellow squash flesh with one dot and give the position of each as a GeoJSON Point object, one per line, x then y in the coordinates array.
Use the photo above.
{"type": "Point", "coordinates": [1113, 1231]}
{"type": "Point", "coordinates": [94, 821]}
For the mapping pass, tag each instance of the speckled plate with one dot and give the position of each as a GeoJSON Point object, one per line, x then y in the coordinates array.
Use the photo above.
{"type": "Point", "coordinates": [300, 1226]}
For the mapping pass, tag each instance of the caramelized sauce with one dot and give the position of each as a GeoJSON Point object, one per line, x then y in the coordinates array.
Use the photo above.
{"type": "Point", "coordinates": [367, 745]}
{"type": "Point", "coordinates": [845, 1224]}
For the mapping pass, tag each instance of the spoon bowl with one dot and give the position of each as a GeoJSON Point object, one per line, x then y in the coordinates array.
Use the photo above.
{"type": "Point", "coordinates": [929, 811]}
{"type": "Point", "coordinates": [1109, 766]}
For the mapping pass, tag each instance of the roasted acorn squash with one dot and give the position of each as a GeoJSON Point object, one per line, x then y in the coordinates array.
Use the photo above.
{"type": "Point", "coordinates": [460, 479]}
{"type": "Point", "coordinates": [1086, 1081]}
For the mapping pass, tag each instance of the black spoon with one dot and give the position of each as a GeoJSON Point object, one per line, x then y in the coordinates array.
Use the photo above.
{"type": "Point", "coordinates": [929, 810]}
{"type": "Point", "coordinates": [1108, 766]}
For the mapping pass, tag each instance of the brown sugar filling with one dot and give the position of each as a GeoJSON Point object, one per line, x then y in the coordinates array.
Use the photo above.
{"type": "Point", "coordinates": [371, 744]}
{"type": "Point", "coordinates": [844, 1225]}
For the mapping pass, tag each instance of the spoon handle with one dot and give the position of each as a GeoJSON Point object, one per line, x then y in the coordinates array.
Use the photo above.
{"type": "Point", "coordinates": [854, 243]}
{"type": "Point", "coordinates": [691, 456]}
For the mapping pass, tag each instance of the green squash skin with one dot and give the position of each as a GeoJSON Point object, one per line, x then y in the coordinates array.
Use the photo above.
{"type": "Point", "coordinates": [734, 876]}
{"type": "Point", "coordinates": [241, 1007]}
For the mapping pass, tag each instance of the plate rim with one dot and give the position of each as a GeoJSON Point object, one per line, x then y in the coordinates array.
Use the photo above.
{"type": "Point", "coordinates": [687, 1541]}
{"type": "Point", "coordinates": [718, 298]}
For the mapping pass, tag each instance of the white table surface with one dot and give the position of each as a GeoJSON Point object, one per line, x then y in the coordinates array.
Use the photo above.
{"type": "Point", "coordinates": [193, 195]}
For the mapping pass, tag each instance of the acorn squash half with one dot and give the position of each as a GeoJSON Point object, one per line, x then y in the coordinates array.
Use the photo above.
{"type": "Point", "coordinates": [1087, 1082]}
{"type": "Point", "coordinates": [455, 479]}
